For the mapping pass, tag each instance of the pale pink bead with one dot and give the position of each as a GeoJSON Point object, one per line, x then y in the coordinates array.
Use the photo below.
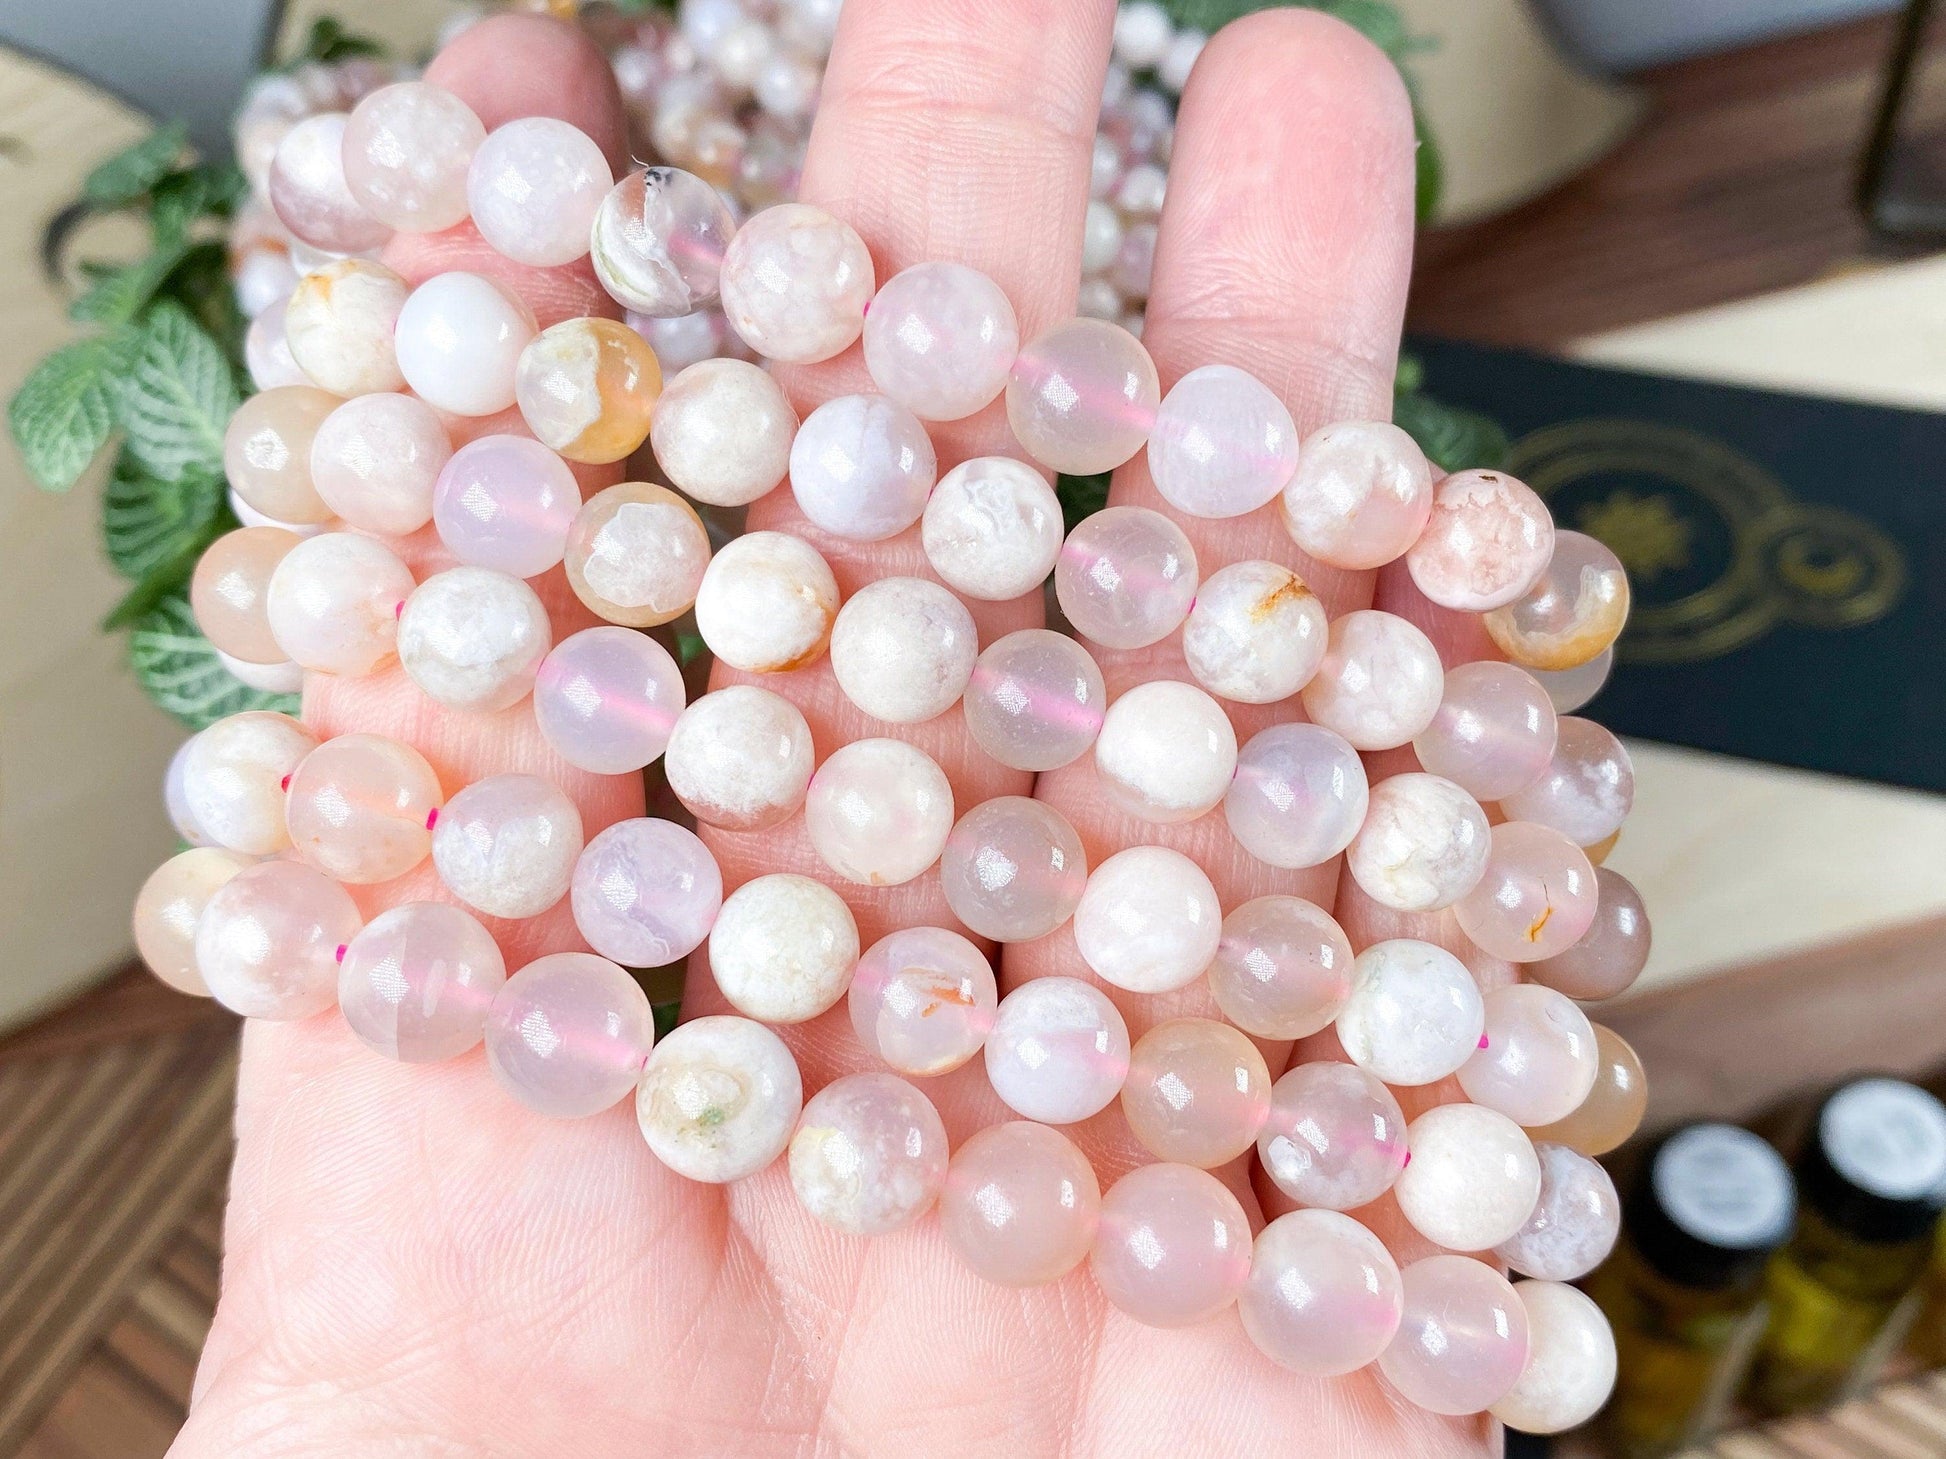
{"type": "Point", "coordinates": [1537, 1059]}
{"type": "Point", "coordinates": [267, 347]}
{"type": "Point", "coordinates": [1058, 1050]}
{"type": "Point", "coordinates": [407, 149]}
{"type": "Point", "coordinates": [1013, 869]}
{"type": "Point", "coordinates": [1571, 689]}
{"type": "Point", "coordinates": [169, 907]}
{"type": "Point", "coordinates": [719, 1098]}
{"type": "Point", "coordinates": [1256, 634]}
{"type": "Point", "coordinates": [1570, 1368]}
{"type": "Point", "coordinates": [1488, 541]}
{"type": "Point", "coordinates": [1462, 1340]}
{"type": "Point", "coordinates": [1613, 951]}
{"type": "Point", "coordinates": [267, 942]}
{"type": "Point", "coordinates": [228, 589]}
{"type": "Point", "coordinates": [361, 808]}
{"type": "Point", "coordinates": [1167, 752]}
{"type": "Point", "coordinates": [1126, 577]}
{"type": "Point", "coordinates": [1586, 791]}
{"type": "Point", "coordinates": [1082, 397]}
{"type": "Point", "coordinates": [869, 1154]}
{"type": "Point", "coordinates": [902, 649]}
{"type": "Point", "coordinates": [334, 603]}
{"type": "Point", "coordinates": [796, 283]}
{"type": "Point", "coordinates": [1536, 899]}
{"type": "Point", "coordinates": [340, 323]}
{"type": "Point", "coordinates": [1035, 700]}
{"type": "Point", "coordinates": [1282, 969]}
{"type": "Point", "coordinates": [417, 981]}
{"type": "Point", "coordinates": [1415, 1013]}
{"type": "Point", "coordinates": [1494, 731]}
{"type": "Point", "coordinates": [606, 699]}
{"type": "Point", "coordinates": [1379, 683]}
{"type": "Point", "coordinates": [1148, 921]}
{"type": "Point", "coordinates": [506, 502]}
{"type": "Point", "coordinates": [309, 192]}
{"type": "Point", "coordinates": [1423, 845]}
{"type": "Point", "coordinates": [1173, 1247]}
{"type": "Point", "coordinates": [646, 892]}
{"type": "Point", "coordinates": [722, 431]}
{"type": "Point", "coordinates": [1361, 494]}
{"type": "Point", "coordinates": [658, 241]}
{"type": "Point", "coordinates": [992, 528]}
{"type": "Point", "coordinates": [1197, 1092]}
{"type": "Point", "coordinates": [689, 339]}
{"type": "Point", "coordinates": [1334, 1136]}
{"type": "Point", "coordinates": [1324, 1296]}
{"type": "Point", "coordinates": [1222, 443]}
{"type": "Point", "coordinates": [862, 467]}
{"type": "Point", "coordinates": [1575, 611]}
{"type": "Point", "coordinates": [923, 999]}
{"type": "Point", "coordinates": [879, 811]}
{"type": "Point", "coordinates": [567, 1035]}
{"type": "Point", "coordinates": [459, 342]}
{"type": "Point", "coordinates": [375, 459]}
{"type": "Point", "coordinates": [233, 776]}
{"type": "Point", "coordinates": [175, 802]}
{"type": "Point", "coordinates": [267, 454]}
{"type": "Point", "coordinates": [1472, 1180]}
{"type": "Point", "coordinates": [783, 948]}
{"type": "Point", "coordinates": [1021, 1204]}
{"type": "Point", "coordinates": [534, 187]}
{"type": "Point", "coordinates": [740, 758]}
{"type": "Point", "coordinates": [1576, 1219]}
{"type": "Point", "coordinates": [507, 845]}
{"type": "Point", "coordinates": [1299, 795]}
{"type": "Point", "coordinates": [939, 339]}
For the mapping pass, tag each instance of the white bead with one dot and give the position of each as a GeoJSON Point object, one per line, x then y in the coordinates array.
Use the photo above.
{"type": "Point", "coordinates": [284, 678]}
{"type": "Point", "coordinates": [783, 948]}
{"type": "Point", "coordinates": [1101, 237]}
{"type": "Point", "coordinates": [1166, 752]}
{"type": "Point", "coordinates": [339, 325]}
{"type": "Point", "coordinates": [1380, 681]}
{"type": "Point", "coordinates": [507, 845]}
{"type": "Point", "coordinates": [767, 603]}
{"type": "Point", "coordinates": [334, 602]}
{"type": "Point", "coordinates": [1180, 59]}
{"type": "Point", "coordinates": [233, 778]}
{"type": "Point", "coordinates": [1142, 34]}
{"type": "Point", "coordinates": [472, 638]}
{"type": "Point", "coordinates": [1423, 845]}
{"type": "Point", "coordinates": [722, 431]}
{"type": "Point", "coordinates": [862, 467]}
{"type": "Point", "coordinates": [719, 1098]}
{"type": "Point", "coordinates": [992, 528]}
{"type": "Point", "coordinates": [1472, 1180]}
{"type": "Point", "coordinates": [459, 341]}
{"type": "Point", "coordinates": [796, 283]}
{"type": "Point", "coordinates": [879, 811]}
{"type": "Point", "coordinates": [902, 649]}
{"type": "Point", "coordinates": [1058, 1051]}
{"type": "Point", "coordinates": [1256, 634]}
{"type": "Point", "coordinates": [534, 188]}
{"type": "Point", "coordinates": [1570, 1361]}
{"type": "Point", "coordinates": [1149, 920]}
{"type": "Point", "coordinates": [740, 758]}
{"type": "Point", "coordinates": [1415, 1014]}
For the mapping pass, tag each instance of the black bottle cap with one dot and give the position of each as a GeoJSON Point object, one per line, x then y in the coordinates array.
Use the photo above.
{"type": "Point", "coordinates": [1874, 1164]}
{"type": "Point", "coordinates": [1711, 1203]}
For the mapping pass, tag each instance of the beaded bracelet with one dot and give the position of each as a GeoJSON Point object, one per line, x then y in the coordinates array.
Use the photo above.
{"type": "Point", "coordinates": [359, 450]}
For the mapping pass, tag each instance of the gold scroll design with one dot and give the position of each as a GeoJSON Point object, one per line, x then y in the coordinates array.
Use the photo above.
{"type": "Point", "coordinates": [1790, 562]}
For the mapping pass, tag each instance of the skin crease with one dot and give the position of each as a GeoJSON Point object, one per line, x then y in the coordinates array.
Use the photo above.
{"type": "Point", "coordinates": [418, 1267]}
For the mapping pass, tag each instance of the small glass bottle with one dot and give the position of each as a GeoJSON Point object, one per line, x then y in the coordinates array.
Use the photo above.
{"type": "Point", "coordinates": [1684, 1290]}
{"type": "Point", "coordinates": [1871, 1182]}
{"type": "Point", "coordinates": [1928, 1337]}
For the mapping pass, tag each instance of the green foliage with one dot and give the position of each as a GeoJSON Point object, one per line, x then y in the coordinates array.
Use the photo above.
{"type": "Point", "coordinates": [180, 670]}
{"type": "Point", "coordinates": [1081, 496]}
{"type": "Point", "coordinates": [1453, 439]}
{"type": "Point", "coordinates": [178, 399]}
{"type": "Point", "coordinates": [66, 409]}
{"type": "Point", "coordinates": [148, 523]}
{"type": "Point", "coordinates": [329, 42]}
{"type": "Point", "coordinates": [132, 173]}
{"type": "Point", "coordinates": [689, 648]}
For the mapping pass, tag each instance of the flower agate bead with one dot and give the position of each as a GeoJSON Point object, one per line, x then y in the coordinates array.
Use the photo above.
{"type": "Point", "coordinates": [1536, 1062]}
{"type": "Point", "coordinates": [1082, 397]}
{"type": "Point", "coordinates": [1299, 795]}
{"type": "Point", "coordinates": [869, 1154]}
{"type": "Point", "coordinates": [861, 467]}
{"type": "Point", "coordinates": [1493, 733]}
{"type": "Point", "coordinates": [783, 948]}
{"type": "Point", "coordinates": [740, 758]}
{"type": "Point", "coordinates": [1611, 954]}
{"type": "Point", "coordinates": [407, 148]}
{"type": "Point", "coordinates": [266, 346]}
{"type": "Point", "coordinates": [1473, 1178]}
{"type": "Point", "coordinates": [1324, 1295]}
{"type": "Point", "coordinates": [1126, 577]}
{"type": "Point", "coordinates": [1488, 542]}
{"type": "Point", "coordinates": [267, 452]}
{"type": "Point", "coordinates": [230, 585]}
{"type": "Point", "coordinates": [472, 638]}
{"type": "Point", "coordinates": [1379, 682]}
{"type": "Point", "coordinates": [1222, 444]}
{"type": "Point", "coordinates": [992, 528]}
{"type": "Point", "coordinates": [417, 981]}
{"type": "Point", "coordinates": [1423, 844]}
{"type": "Point", "coordinates": [459, 340]}
{"type": "Point", "coordinates": [1021, 1204]}
{"type": "Point", "coordinates": [1148, 921]}
{"type": "Point", "coordinates": [586, 388]}
{"type": "Point", "coordinates": [922, 999]}
{"type": "Point", "coordinates": [722, 432]}
{"type": "Point", "coordinates": [233, 778]}
{"type": "Point", "coordinates": [1013, 869]}
{"type": "Point", "coordinates": [267, 942]}
{"type": "Point", "coordinates": [1282, 968]}
{"type": "Point", "coordinates": [636, 554]}
{"type": "Point", "coordinates": [334, 603]}
{"type": "Point", "coordinates": [878, 812]}
{"type": "Point", "coordinates": [1035, 700]}
{"type": "Point", "coordinates": [1536, 898]}
{"type": "Point", "coordinates": [1197, 1092]}
{"type": "Point", "coordinates": [1255, 634]}
{"type": "Point", "coordinates": [767, 603]}
{"type": "Point", "coordinates": [939, 339]}
{"type": "Point", "coordinates": [719, 1098]}
{"type": "Point", "coordinates": [1570, 1368]}
{"type": "Point", "coordinates": [1173, 1248]}
{"type": "Point", "coordinates": [1573, 613]}
{"type": "Point", "coordinates": [1462, 1340]}
{"type": "Point", "coordinates": [361, 808]}
{"type": "Point", "coordinates": [309, 192]}
{"type": "Point", "coordinates": [796, 283]}
{"type": "Point", "coordinates": [902, 649]}
{"type": "Point", "coordinates": [606, 700]}
{"type": "Point", "coordinates": [1334, 1137]}
{"type": "Point", "coordinates": [1586, 791]}
{"type": "Point", "coordinates": [658, 241]}
{"type": "Point", "coordinates": [340, 323]}
{"type": "Point", "coordinates": [1614, 1107]}
{"type": "Point", "coordinates": [1571, 689]}
{"type": "Point", "coordinates": [646, 892]}
{"type": "Point", "coordinates": [375, 460]}
{"type": "Point", "coordinates": [567, 1035]}
{"type": "Point", "coordinates": [169, 907]}
{"type": "Point", "coordinates": [1360, 496]}
{"type": "Point", "coordinates": [507, 845]}
{"type": "Point", "coordinates": [1058, 1050]}
{"type": "Point", "coordinates": [175, 803]}
{"type": "Point", "coordinates": [1576, 1219]}
{"type": "Point", "coordinates": [534, 187]}
{"type": "Point", "coordinates": [1166, 752]}
{"type": "Point", "coordinates": [1415, 1014]}
{"type": "Point", "coordinates": [506, 502]}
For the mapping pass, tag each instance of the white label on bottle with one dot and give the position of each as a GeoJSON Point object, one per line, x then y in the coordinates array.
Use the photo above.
{"type": "Point", "coordinates": [1886, 1137]}
{"type": "Point", "coordinates": [1723, 1185]}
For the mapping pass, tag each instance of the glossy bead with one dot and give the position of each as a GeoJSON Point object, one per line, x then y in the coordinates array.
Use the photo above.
{"type": "Point", "coordinates": [1173, 1248]}
{"type": "Point", "coordinates": [1574, 612]}
{"type": "Point", "coordinates": [1415, 1014]}
{"type": "Point", "coordinates": [719, 1098]}
{"type": "Point", "coordinates": [1035, 700]}
{"type": "Point", "coordinates": [1148, 921]}
{"type": "Point", "coordinates": [1081, 397]}
{"type": "Point", "coordinates": [878, 812]}
{"type": "Point", "coordinates": [506, 503]}
{"type": "Point", "coordinates": [992, 528]}
{"type": "Point", "coordinates": [1058, 1050]}
{"type": "Point", "coordinates": [233, 778]}
{"type": "Point", "coordinates": [1576, 1219]}
{"type": "Point", "coordinates": [1166, 752]}
{"type": "Point", "coordinates": [1126, 577]}
{"type": "Point", "coordinates": [861, 467]}
{"type": "Point", "coordinates": [869, 1154]}
{"type": "Point", "coordinates": [1537, 1063]}
{"type": "Point", "coordinates": [279, 678]}
{"type": "Point", "coordinates": [1536, 898]}
{"type": "Point", "coordinates": [339, 325]}
{"type": "Point", "coordinates": [902, 649]}
{"type": "Point", "coordinates": [1493, 733]}
{"type": "Point", "coordinates": [334, 603]}
{"type": "Point", "coordinates": [1462, 1340]}
{"type": "Point", "coordinates": [796, 283]}
{"type": "Point", "coordinates": [375, 459]}
{"type": "Point", "coordinates": [227, 593]}
{"type": "Point", "coordinates": [1379, 682]}
{"type": "Point", "coordinates": [1020, 1205]}
{"type": "Point", "coordinates": [175, 803]}
{"type": "Point", "coordinates": [507, 845]}
{"type": "Point", "coordinates": [1488, 542]}
{"type": "Point", "coordinates": [783, 948]}
{"type": "Point", "coordinates": [606, 699]}
{"type": "Point", "coordinates": [1571, 689]}
{"type": "Point", "coordinates": [266, 346]}
{"type": "Point", "coordinates": [1013, 869]}
{"type": "Point", "coordinates": [740, 758]}
{"type": "Point", "coordinates": [646, 892]}
{"type": "Point", "coordinates": [1282, 968]}
{"type": "Point", "coordinates": [459, 342]}
{"type": "Point", "coordinates": [1299, 795]}
{"type": "Point", "coordinates": [1222, 444]}
{"type": "Point", "coordinates": [1613, 1109]}
{"type": "Point", "coordinates": [1611, 954]}
{"type": "Point", "coordinates": [922, 999]}
{"type": "Point", "coordinates": [722, 432]}
{"type": "Point", "coordinates": [1256, 634]}
{"type": "Point", "coordinates": [361, 808]}
{"type": "Point", "coordinates": [1473, 1178]}
{"type": "Point", "coordinates": [1423, 844]}
{"type": "Point", "coordinates": [1361, 494]}
{"type": "Point", "coordinates": [939, 339]}
{"type": "Point", "coordinates": [1197, 1092]}
{"type": "Point", "coordinates": [534, 187]}
{"type": "Point", "coordinates": [636, 554]}
{"type": "Point", "coordinates": [686, 340]}
{"type": "Point", "coordinates": [567, 1035]}
{"type": "Point", "coordinates": [267, 942]}
{"type": "Point", "coordinates": [1570, 1369]}
{"type": "Point", "coordinates": [1324, 1296]}
{"type": "Point", "coordinates": [309, 191]}
{"type": "Point", "coordinates": [169, 907]}
{"type": "Point", "coordinates": [658, 241]}
{"type": "Point", "coordinates": [1334, 1137]}
{"type": "Point", "coordinates": [587, 387]}
{"type": "Point", "coordinates": [1586, 791]}
{"type": "Point", "coordinates": [267, 452]}
{"type": "Point", "coordinates": [417, 981]}
{"type": "Point", "coordinates": [472, 638]}
{"type": "Point", "coordinates": [407, 148]}
{"type": "Point", "coordinates": [767, 603]}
